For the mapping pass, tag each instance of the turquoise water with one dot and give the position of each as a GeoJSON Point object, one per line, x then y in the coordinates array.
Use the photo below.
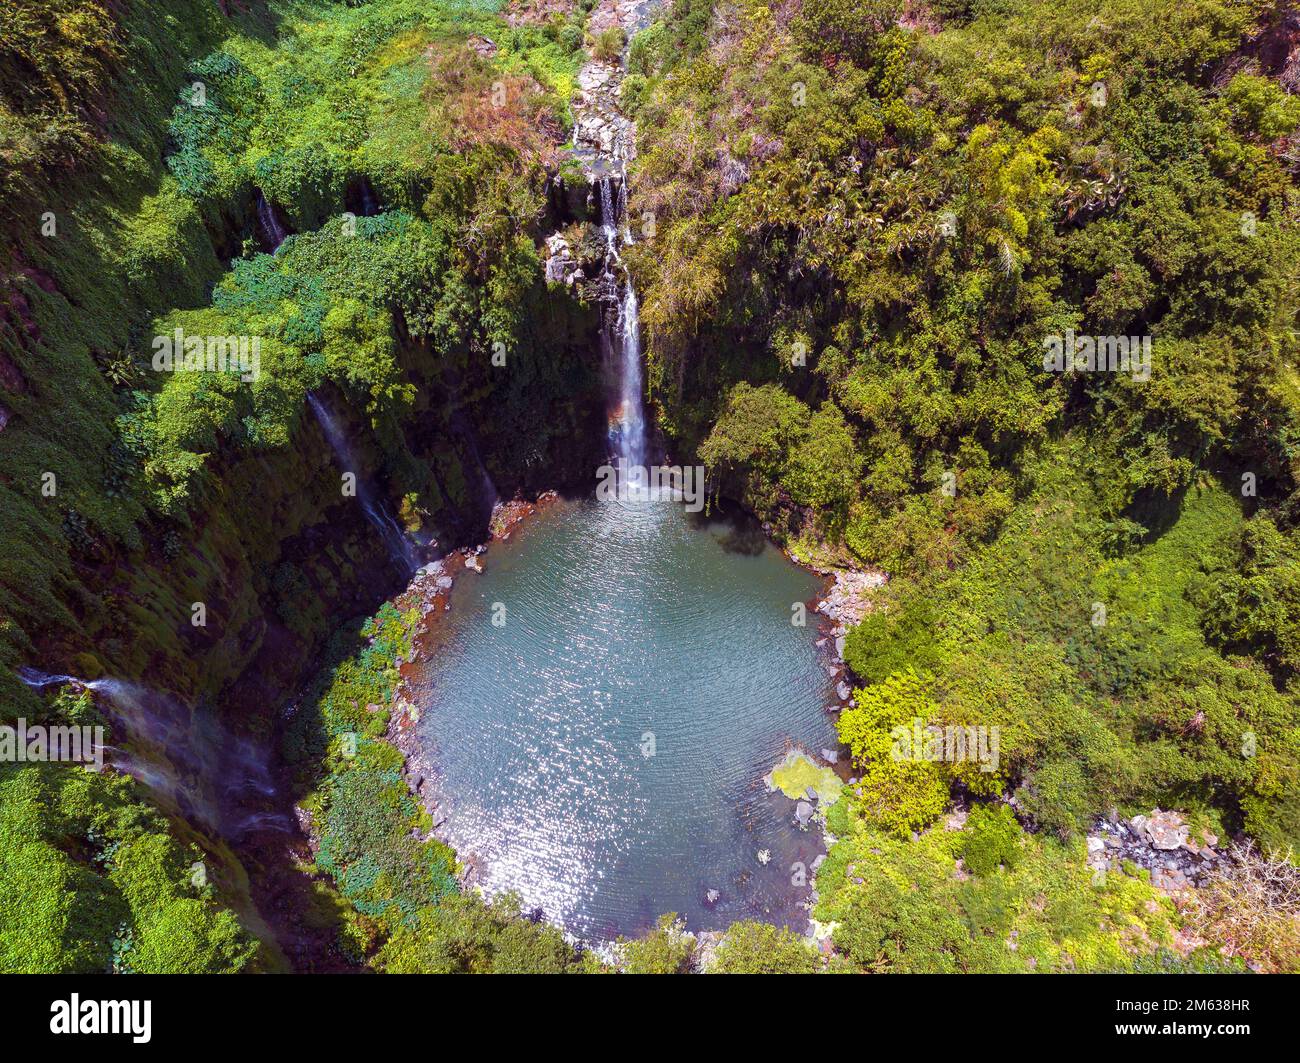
{"type": "Point", "coordinates": [601, 751]}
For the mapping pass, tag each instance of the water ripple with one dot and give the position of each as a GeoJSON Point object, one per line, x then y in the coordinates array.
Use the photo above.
{"type": "Point", "coordinates": [626, 624]}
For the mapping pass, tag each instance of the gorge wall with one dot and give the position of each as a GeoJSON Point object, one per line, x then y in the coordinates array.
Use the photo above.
{"type": "Point", "coordinates": [103, 583]}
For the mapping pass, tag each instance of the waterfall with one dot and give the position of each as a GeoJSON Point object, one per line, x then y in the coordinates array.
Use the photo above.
{"type": "Point", "coordinates": [622, 212]}
{"type": "Point", "coordinates": [369, 207]}
{"type": "Point", "coordinates": [188, 760]}
{"type": "Point", "coordinates": [400, 548]}
{"type": "Point", "coordinates": [621, 337]}
{"type": "Point", "coordinates": [632, 437]}
{"type": "Point", "coordinates": [605, 144]}
{"type": "Point", "coordinates": [609, 218]}
{"type": "Point", "coordinates": [39, 680]}
{"type": "Point", "coordinates": [271, 227]}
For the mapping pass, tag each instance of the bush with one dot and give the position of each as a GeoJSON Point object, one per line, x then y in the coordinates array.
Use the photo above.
{"type": "Point", "coordinates": [466, 935]}
{"type": "Point", "coordinates": [759, 948]}
{"type": "Point", "coordinates": [1249, 907]}
{"type": "Point", "coordinates": [607, 45]}
{"type": "Point", "coordinates": [1056, 797]}
{"type": "Point", "coordinates": [991, 840]}
{"type": "Point", "coordinates": [890, 639]}
{"type": "Point", "coordinates": [900, 906]}
{"type": "Point", "coordinates": [899, 788]}
{"type": "Point", "coordinates": [667, 949]}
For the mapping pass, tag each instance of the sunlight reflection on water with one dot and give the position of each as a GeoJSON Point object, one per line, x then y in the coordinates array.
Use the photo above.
{"type": "Point", "coordinates": [629, 628]}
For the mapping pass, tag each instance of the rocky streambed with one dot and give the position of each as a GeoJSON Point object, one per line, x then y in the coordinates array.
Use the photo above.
{"type": "Point", "coordinates": [604, 144]}
{"type": "Point", "coordinates": [1163, 843]}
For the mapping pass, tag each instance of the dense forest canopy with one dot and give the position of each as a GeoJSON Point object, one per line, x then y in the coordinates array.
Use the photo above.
{"type": "Point", "coordinates": [997, 297]}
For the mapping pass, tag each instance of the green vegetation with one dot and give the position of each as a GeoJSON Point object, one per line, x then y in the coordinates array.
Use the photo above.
{"type": "Point", "coordinates": [365, 817]}
{"type": "Point", "coordinates": [869, 229]}
{"type": "Point", "coordinates": [135, 141]}
{"type": "Point", "coordinates": [465, 936]}
{"type": "Point", "coordinates": [900, 788]}
{"type": "Point", "coordinates": [608, 44]}
{"type": "Point", "coordinates": [93, 881]}
{"type": "Point", "coordinates": [883, 225]}
{"type": "Point", "coordinates": [667, 949]}
{"type": "Point", "coordinates": [903, 906]}
{"type": "Point", "coordinates": [870, 232]}
{"type": "Point", "coordinates": [797, 772]}
{"type": "Point", "coordinates": [405, 911]}
{"type": "Point", "coordinates": [993, 840]}
{"type": "Point", "coordinates": [757, 948]}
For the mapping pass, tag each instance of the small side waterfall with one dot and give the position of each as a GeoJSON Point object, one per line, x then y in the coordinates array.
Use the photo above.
{"type": "Point", "coordinates": [187, 759]}
{"type": "Point", "coordinates": [271, 227]}
{"type": "Point", "coordinates": [369, 207]}
{"type": "Point", "coordinates": [400, 548]}
{"type": "Point", "coordinates": [609, 216]}
{"type": "Point", "coordinates": [39, 680]}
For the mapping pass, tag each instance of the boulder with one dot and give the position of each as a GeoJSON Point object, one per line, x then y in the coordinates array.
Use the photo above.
{"type": "Point", "coordinates": [1161, 830]}
{"type": "Point", "coordinates": [1171, 880]}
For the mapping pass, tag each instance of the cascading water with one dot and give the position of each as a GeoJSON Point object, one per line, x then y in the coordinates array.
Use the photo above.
{"type": "Point", "coordinates": [604, 141]}
{"type": "Point", "coordinates": [622, 212]}
{"type": "Point", "coordinates": [621, 336]}
{"type": "Point", "coordinates": [187, 759]}
{"type": "Point", "coordinates": [271, 227]}
{"type": "Point", "coordinates": [632, 439]}
{"type": "Point", "coordinates": [593, 831]}
{"type": "Point", "coordinates": [368, 205]}
{"type": "Point", "coordinates": [39, 680]}
{"type": "Point", "coordinates": [488, 495]}
{"type": "Point", "coordinates": [609, 219]}
{"type": "Point", "coordinates": [400, 548]}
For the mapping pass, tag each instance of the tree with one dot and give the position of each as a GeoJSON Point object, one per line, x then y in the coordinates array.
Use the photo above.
{"type": "Point", "coordinates": [759, 948]}
{"type": "Point", "coordinates": [901, 786]}
{"type": "Point", "coordinates": [667, 949]}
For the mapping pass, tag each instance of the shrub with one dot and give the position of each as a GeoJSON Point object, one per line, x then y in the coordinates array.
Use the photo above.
{"type": "Point", "coordinates": [901, 907]}
{"type": "Point", "coordinates": [466, 935]}
{"type": "Point", "coordinates": [607, 45]}
{"type": "Point", "coordinates": [667, 949]}
{"type": "Point", "coordinates": [899, 789]}
{"type": "Point", "coordinates": [1056, 797]}
{"type": "Point", "coordinates": [992, 839]}
{"type": "Point", "coordinates": [891, 639]}
{"type": "Point", "coordinates": [759, 948]}
{"type": "Point", "coordinates": [1249, 906]}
